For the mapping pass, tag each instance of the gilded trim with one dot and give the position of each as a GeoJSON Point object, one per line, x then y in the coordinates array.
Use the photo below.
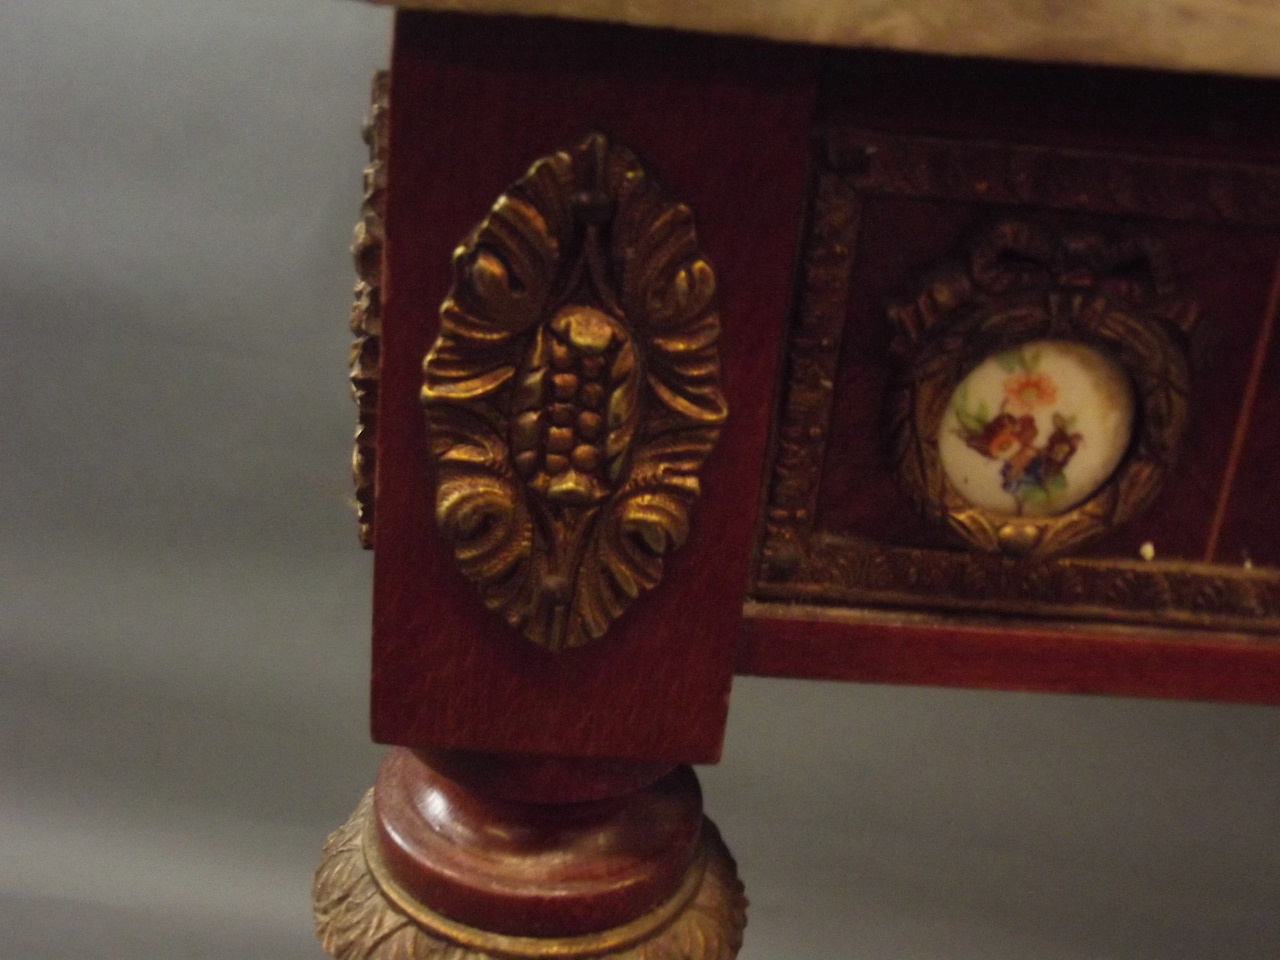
{"type": "Point", "coordinates": [366, 311]}
{"type": "Point", "coordinates": [574, 393]}
{"type": "Point", "coordinates": [1087, 181]}
{"type": "Point", "coordinates": [611, 941]}
{"type": "Point", "coordinates": [1014, 283]}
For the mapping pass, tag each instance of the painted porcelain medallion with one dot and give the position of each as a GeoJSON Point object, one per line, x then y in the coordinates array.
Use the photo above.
{"type": "Point", "coordinates": [1038, 429]}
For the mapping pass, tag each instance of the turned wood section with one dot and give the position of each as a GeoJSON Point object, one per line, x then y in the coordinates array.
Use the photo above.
{"type": "Point", "coordinates": [519, 778]}
{"type": "Point", "coordinates": [540, 870]}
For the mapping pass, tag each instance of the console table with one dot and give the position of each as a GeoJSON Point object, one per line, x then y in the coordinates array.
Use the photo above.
{"type": "Point", "coordinates": [711, 340]}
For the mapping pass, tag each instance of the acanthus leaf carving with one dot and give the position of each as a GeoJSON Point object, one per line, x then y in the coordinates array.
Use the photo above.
{"type": "Point", "coordinates": [573, 393]}
{"type": "Point", "coordinates": [366, 309]}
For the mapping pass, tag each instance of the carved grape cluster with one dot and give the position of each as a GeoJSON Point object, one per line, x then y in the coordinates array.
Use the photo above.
{"type": "Point", "coordinates": [574, 406]}
{"type": "Point", "coordinates": [573, 393]}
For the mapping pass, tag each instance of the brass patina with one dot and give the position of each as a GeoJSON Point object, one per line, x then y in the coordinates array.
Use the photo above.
{"type": "Point", "coordinates": [366, 311]}
{"type": "Point", "coordinates": [573, 393]}
{"type": "Point", "coordinates": [1014, 283]}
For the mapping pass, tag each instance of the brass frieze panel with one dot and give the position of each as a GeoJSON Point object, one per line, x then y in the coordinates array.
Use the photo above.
{"type": "Point", "coordinates": [1085, 181]}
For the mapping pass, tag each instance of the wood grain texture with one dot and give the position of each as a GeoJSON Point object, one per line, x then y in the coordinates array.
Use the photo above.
{"type": "Point", "coordinates": [724, 126]}
{"type": "Point", "coordinates": [1248, 529]}
{"type": "Point", "coordinates": [824, 645]}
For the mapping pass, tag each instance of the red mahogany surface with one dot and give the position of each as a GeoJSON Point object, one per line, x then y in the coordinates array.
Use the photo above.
{"type": "Point", "coordinates": [544, 870]}
{"type": "Point", "coordinates": [1011, 657]}
{"type": "Point", "coordinates": [527, 779]}
{"type": "Point", "coordinates": [723, 125]}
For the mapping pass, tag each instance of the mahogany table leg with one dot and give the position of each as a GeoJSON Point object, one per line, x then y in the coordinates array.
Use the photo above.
{"type": "Point", "coordinates": [468, 855]}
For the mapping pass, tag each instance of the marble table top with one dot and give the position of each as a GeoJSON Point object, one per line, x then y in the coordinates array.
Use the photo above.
{"type": "Point", "coordinates": [1220, 36]}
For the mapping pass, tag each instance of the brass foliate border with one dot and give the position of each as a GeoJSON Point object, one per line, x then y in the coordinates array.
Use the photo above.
{"type": "Point", "coordinates": [799, 562]}
{"type": "Point", "coordinates": [573, 394]}
{"type": "Point", "coordinates": [366, 310]}
{"type": "Point", "coordinates": [1015, 282]}
{"type": "Point", "coordinates": [1088, 181]}
{"type": "Point", "coordinates": [813, 356]}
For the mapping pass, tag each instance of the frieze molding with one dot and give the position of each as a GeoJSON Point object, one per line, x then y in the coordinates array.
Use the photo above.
{"type": "Point", "coordinates": [797, 561]}
{"type": "Point", "coordinates": [366, 310]}
{"type": "Point", "coordinates": [1085, 181]}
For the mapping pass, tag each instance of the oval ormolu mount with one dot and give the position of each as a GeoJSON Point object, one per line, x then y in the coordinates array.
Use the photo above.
{"type": "Point", "coordinates": [573, 393]}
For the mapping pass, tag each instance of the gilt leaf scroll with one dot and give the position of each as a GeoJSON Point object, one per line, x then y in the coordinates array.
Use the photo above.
{"type": "Point", "coordinates": [573, 393]}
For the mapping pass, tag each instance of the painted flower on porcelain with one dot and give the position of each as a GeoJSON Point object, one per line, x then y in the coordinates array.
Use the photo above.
{"type": "Point", "coordinates": [1026, 391]}
{"type": "Point", "coordinates": [1035, 430]}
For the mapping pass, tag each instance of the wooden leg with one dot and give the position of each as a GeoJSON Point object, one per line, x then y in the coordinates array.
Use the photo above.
{"type": "Point", "coordinates": [472, 856]}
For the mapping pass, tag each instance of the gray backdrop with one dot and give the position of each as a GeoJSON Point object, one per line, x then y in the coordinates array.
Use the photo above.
{"type": "Point", "coordinates": [183, 609]}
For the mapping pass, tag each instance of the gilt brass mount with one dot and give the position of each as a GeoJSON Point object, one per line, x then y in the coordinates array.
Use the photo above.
{"type": "Point", "coordinates": [1019, 283]}
{"type": "Point", "coordinates": [366, 310]}
{"type": "Point", "coordinates": [573, 393]}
